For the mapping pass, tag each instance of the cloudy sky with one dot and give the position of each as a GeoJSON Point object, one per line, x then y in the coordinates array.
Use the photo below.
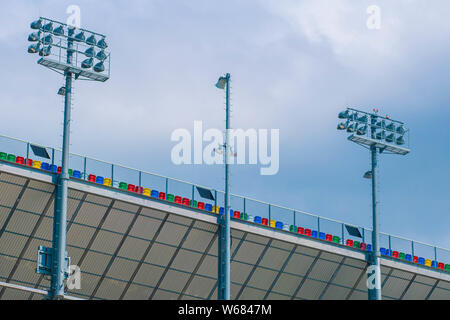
{"type": "Point", "coordinates": [294, 66]}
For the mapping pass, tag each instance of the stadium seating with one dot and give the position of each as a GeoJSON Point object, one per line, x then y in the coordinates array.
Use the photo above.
{"type": "Point", "coordinates": [272, 223]}
{"type": "Point", "coordinates": [154, 194]}
{"type": "Point", "coordinates": [314, 234]}
{"type": "Point", "coordinates": [395, 254]}
{"type": "Point", "coordinates": [421, 261]}
{"type": "Point", "coordinates": [408, 257]}
{"type": "Point", "coordinates": [308, 232]}
{"type": "Point", "coordinates": [401, 256]}
{"type": "Point", "coordinates": [428, 262]}
{"type": "Point", "coordinates": [329, 237]}
{"type": "Point", "coordinates": [292, 228]}
{"type": "Point", "coordinates": [178, 199]}
{"type": "Point", "coordinates": [221, 210]}
{"type": "Point", "coordinates": [349, 243]}
{"type": "Point", "coordinates": [92, 178]}
{"type": "Point", "coordinates": [131, 187]}
{"type": "Point", "coordinates": [99, 180]}
{"type": "Point", "coordinates": [201, 205]}
{"type": "Point", "coordinates": [170, 197]}
{"type": "Point", "coordinates": [236, 214]}
{"type": "Point", "coordinates": [76, 174]}
{"type": "Point", "coordinates": [300, 230]}
{"type": "Point", "coordinates": [265, 221]}
{"type": "Point", "coordinates": [208, 207]}
{"type": "Point", "coordinates": [279, 225]}
{"type": "Point", "coordinates": [322, 235]}
{"type": "Point", "coordinates": [185, 202]}
{"type": "Point", "coordinates": [257, 220]}
{"type": "Point", "coordinates": [37, 164]}
{"type": "Point", "coordinates": [20, 160]}
{"type": "Point", "coordinates": [45, 166]}
{"type": "Point", "coordinates": [11, 158]}
{"type": "Point", "coordinates": [107, 182]}
{"type": "Point", "coordinates": [3, 156]}
{"type": "Point", "coordinates": [336, 239]}
{"type": "Point", "coordinates": [244, 216]}
{"type": "Point", "coordinates": [162, 196]}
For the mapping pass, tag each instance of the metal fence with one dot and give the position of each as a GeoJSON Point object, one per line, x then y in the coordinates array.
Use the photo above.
{"type": "Point", "coordinates": [289, 217]}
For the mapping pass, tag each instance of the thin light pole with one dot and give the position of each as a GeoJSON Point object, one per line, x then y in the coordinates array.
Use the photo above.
{"type": "Point", "coordinates": [375, 292]}
{"type": "Point", "coordinates": [224, 227]}
{"type": "Point", "coordinates": [60, 217]}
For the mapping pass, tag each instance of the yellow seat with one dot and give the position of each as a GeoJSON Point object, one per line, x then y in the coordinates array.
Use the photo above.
{"type": "Point", "coordinates": [428, 262]}
{"type": "Point", "coordinates": [272, 223]}
{"type": "Point", "coordinates": [146, 192]}
{"type": "Point", "coordinates": [107, 182]}
{"type": "Point", "coordinates": [36, 164]}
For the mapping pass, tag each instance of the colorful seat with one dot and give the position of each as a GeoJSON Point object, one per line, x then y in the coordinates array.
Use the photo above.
{"type": "Point", "coordinates": [421, 261]}
{"type": "Point", "coordinates": [170, 197]}
{"type": "Point", "coordinates": [363, 246]}
{"type": "Point", "coordinates": [123, 186]}
{"type": "Point", "coordinates": [383, 251]}
{"type": "Point", "coordinates": [193, 204]}
{"type": "Point", "coordinates": [237, 214]}
{"type": "Point", "coordinates": [279, 225]}
{"type": "Point", "coordinates": [185, 202]}
{"type": "Point", "coordinates": [37, 164]}
{"type": "Point", "coordinates": [244, 216]}
{"type": "Point", "coordinates": [257, 219]}
{"type": "Point", "coordinates": [349, 243]}
{"type": "Point", "coordinates": [99, 180]}
{"type": "Point", "coordinates": [76, 174]}
{"type": "Point", "coordinates": [20, 160]}
{"type": "Point", "coordinates": [91, 178]}
{"type": "Point", "coordinates": [293, 228]}
{"type": "Point", "coordinates": [53, 168]}
{"type": "Point", "coordinates": [11, 158]}
{"type": "Point", "coordinates": [314, 234]}
{"type": "Point", "coordinates": [59, 170]}
{"type": "Point", "coordinates": [221, 210]}
{"type": "Point", "coordinates": [3, 156]}
{"type": "Point", "coordinates": [177, 199]}
{"type": "Point", "coordinates": [441, 265]}
{"type": "Point", "coordinates": [154, 194]}
{"type": "Point", "coordinates": [447, 267]}
{"type": "Point", "coordinates": [329, 237]}
{"type": "Point", "coordinates": [356, 244]}
{"type": "Point", "coordinates": [272, 223]}
{"type": "Point", "coordinates": [408, 257]}
{"type": "Point", "coordinates": [308, 232]}
{"type": "Point", "coordinates": [395, 254]}
{"type": "Point", "coordinates": [201, 205]}
{"type": "Point", "coordinates": [70, 171]}
{"type": "Point", "coordinates": [434, 264]}
{"type": "Point", "coordinates": [208, 206]}
{"type": "Point", "coordinates": [416, 259]}
{"type": "Point", "coordinates": [131, 187]}
{"type": "Point", "coordinates": [401, 256]}
{"type": "Point", "coordinates": [300, 230]}
{"type": "Point", "coordinates": [322, 235]}
{"type": "Point", "coordinates": [369, 247]}
{"type": "Point", "coordinates": [265, 221]}
{"type": "Point", "coordinates": [336, 239]}
{"type": "Point", "coordinates": [146, 192]}
{"type": "Point", "coordinates": [162, 196]}
{"type": "Point", "coordinates": [107, 182]}
{"type": "Point", "coordinates": [428, 262]}
{"type": "Point", "coordinates": [45, 166]}
{"type": "Point", "coordinates": [30, 162]}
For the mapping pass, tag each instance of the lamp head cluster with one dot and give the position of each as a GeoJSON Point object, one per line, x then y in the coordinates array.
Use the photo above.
{"type": "Point", "coordinates": [382, 129]}
{"type": "Point", "coordinates": [48, 34]}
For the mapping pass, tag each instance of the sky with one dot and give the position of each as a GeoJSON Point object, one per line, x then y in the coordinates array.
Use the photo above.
{"type": "Point", "coordinates": [294, 66]}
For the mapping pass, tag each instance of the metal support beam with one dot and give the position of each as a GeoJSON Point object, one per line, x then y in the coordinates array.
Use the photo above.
{"type": "Point", "coordinates": [375, 291]}
{"type": "Point", "coordinates": [60, 217]}
{"type": "Point", "coordinates": [223, 292]}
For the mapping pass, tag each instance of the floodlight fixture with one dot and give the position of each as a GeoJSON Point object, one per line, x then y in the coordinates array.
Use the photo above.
{"type": "Point", "coordinates": [36, 25]}
{"type": "Point", "coordinates": [99, 67]}
{"type": "Point", "coordinates": [86, 64]}
{"type": "Point", "coordinates": [90, 52]}
{"type": "Point", "coordinates": [62, 91]}
{"type": "Point", "coordinates": [91, 40]}
{"type": "Point", "coordinates": [48, 27]}
{"type": "Point", "coordinates": [102, 43]}
{"type": "Point", "coordinates": [101, 55]}
{"type": "Point", "coordinates": [35, 36]}
{"type": "Point", "coordinates": [221, 83]}
{"type": "Point", "coordinates": [58, 31]}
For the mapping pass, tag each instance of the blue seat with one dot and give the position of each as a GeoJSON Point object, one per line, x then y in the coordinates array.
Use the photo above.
{"type": "Point", "coordinates": [322, 235]}
{"type": "Point", "coordinates": [257, 219]}
{"type": "Point", "coordinates": [208, 207]}
{"type": "Point", "coordinates": [76, 174]}
{"type": "Point", "coordinates": [383, 251]}
{"type": "Point", "coordinates": [421, 261]}
{"type": "Point", "coordinates": [45, 166]}
{"type": "Point", "coordinates": [99, 180]}
{"type": "Point", "coordinates": [314, 234]}
{"type": "Point", "coordinates": [53, 168]}
{"type": "Point", "coordinates": [154, 194]}
{"type": "Point", "coordinates": [221, 210]}
{"type": "Point", "coordinates": [434, 264]}
{"type": "Point", "coordinates": [408, 257]}
{"type": "Point", "coordinates": [279, 225]}
{"type": "Point", "coordinates": [369, 247]}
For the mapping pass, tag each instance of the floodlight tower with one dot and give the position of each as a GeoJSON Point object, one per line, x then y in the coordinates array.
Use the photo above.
{"type": "Point", "coordinates": [223, 288]}
{"type": "Point", "coordinates": [379, 135]}
{"type": "Point", "coordinates": [65, 61]}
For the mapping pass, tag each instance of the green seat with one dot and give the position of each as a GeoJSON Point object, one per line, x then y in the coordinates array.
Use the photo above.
{"type": "Point", "coordinates": [356, 244]}
{"type": "Point", "coordinates": [11, 158]}
{"type": "Point", "coordinates": [123, 186]}
{"type": "Point", "coordinates": [336, 239]}
{"type": "Point", "coordinates": [244, 216]}
{"type": "Point", "coordinates": [170, 197]}
{"type": "Point", "coordinates": [195, 203]}
{"type": "Point", "coordinates": [70, 172]}
{"type": "Point", "coordinates": [401, 256]}
{"type": "Point", "coordinates": [293, 228]}
{"type": "Point", "coordinates": [3, 155]}
{"type": "Point", "coordinates": [447, 267]}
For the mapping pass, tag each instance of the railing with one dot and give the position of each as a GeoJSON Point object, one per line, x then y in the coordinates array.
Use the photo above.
{"type": "Point", "coordinates": [288, 216]}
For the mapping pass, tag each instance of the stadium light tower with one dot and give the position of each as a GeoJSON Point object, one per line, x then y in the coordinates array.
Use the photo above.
{"type": "Point", "coordinates": [223, 292]}
{"type": "Point", "coordinates": [71, 52]}
{"type": "Point", "coordinates": [383, 135]}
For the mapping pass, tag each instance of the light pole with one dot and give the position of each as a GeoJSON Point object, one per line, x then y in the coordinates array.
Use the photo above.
{"type": "Point", "coordinates": [379, 135]}
{"type": "Point", "coordinates": [223, 292]}
{"type": "Point", "coordinates": [64, 60]}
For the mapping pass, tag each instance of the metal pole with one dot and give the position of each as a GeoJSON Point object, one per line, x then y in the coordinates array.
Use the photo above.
{"type": "Point", "coordinates": [224, 239]}
{"type": "Point", "coordinates": [375, 292]}
{"type": "Point", "coordinates": [60, 216]}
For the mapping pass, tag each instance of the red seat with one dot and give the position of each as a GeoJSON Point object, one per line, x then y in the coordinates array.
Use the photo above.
{"type": "Point", "coordinates": [59, 170]}
{"type": "Point", "coordinates": [136, 189]}
{"type": "Point", "coordinates": [329, 237]}
{"type": "Point", "coordinates": [20, 160]}
{"type": "Point", "coordinates": [177, 199]}
{"type": "Point", "coordinates": [162, 196]}
{"type": "Point", "coordinates": [185, 201]}
{"type": "Point", "coordinates": [441, 265]}
{"type": "Point", "coordinates": [92, 178]}
{"type": "Point", "coordinates": [300, 230]}
{"type": "Point", "coordinates": [30, 162]}
{"type": "Point", "coordinates": [395, 254]}
{"type": "Point", "coordinates": [363, 246]}
{"type": "Point", "coordinates": [416, 259]}
{"type": "Point", "coordinates": [131, 188]}
{"type": "Point", "coordinates": [237, 214]}
{"type": "Point", "coordinates": [349, 242]}
{"type": "Point", "coordinates": [201, 205]}
{"type": "Point", "coordinates": [308, 232]}
{"type": "Point", "coordinates": [265, 221]}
